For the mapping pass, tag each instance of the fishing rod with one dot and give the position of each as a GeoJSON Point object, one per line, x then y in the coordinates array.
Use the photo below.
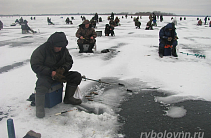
{"type": "Point", "coordinates": [197, 55]}
{"type": "Point", "coordinates": [99, 81]}
{"type": "Point", "coordinates": [64, 112]}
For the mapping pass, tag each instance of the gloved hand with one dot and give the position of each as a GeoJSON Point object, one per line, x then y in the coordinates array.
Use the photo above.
{"type": "Point", "coordinates": [169, 38]}
{"type": "Point", "coordinates": [59, 77]}
{"type": "Point", "coordinates": [176, 38]}
{"type": "Point", "coordinates": [60, 71]}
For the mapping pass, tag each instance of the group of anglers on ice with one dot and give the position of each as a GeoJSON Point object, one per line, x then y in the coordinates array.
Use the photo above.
{"type": "Point", "coordinates": [57, 68]}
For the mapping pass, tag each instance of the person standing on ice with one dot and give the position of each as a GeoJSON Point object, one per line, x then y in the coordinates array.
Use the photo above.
{"type": "Point", "coordinates": [205, 20]}
{"type": "Point", "coordinates": [168, 36]}
{"type": "Point", "coordinates": [51, 62]}
{"type": "Point", "coordinates": [112, 16]}
{"type": "Point", "coordinates": [86, 35]}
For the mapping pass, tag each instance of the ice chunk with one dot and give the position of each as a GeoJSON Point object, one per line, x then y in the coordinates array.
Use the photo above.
{"type": "Point", "coordinates": [176, 112]}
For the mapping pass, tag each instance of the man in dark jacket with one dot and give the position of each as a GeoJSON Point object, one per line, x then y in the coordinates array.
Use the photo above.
{"type": "Point", "coordinates": [51, 62]}
{"type": "Point", "coordinates": [109, 30]}
{"type": "Point", "coordinates": [168, 36]}
{"type": "Point", "coordinates": [86, 35]}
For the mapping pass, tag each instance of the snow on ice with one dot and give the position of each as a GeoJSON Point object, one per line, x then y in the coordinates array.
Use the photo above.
{"type": "Point", "coordinates": [134, 61]}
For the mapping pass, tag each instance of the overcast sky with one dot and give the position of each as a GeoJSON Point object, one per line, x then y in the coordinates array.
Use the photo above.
{"type": "Point", "coordinates": [185, 7]}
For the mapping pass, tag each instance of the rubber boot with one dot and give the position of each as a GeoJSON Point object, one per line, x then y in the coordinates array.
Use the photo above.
{"type": "Point", "coordinates": [90, 48]}
{"type": "Point", "coordinates": [69, 92]}
{"type": "Point", "coordinates": [40, 105]}
{"type": "Point", "coordinates": [161, 51]}
{"type": "Point", "coordinates": [81, 48]}
{"type": "Point", "coordinates": [174, 52]}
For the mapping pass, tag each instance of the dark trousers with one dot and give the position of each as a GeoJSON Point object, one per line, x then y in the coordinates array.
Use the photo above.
{"type": "Point", "coordinates": [44, 83]}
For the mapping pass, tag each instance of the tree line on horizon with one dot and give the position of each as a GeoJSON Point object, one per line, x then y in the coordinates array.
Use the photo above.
{"type": "Point", "coordinates": [121, 13]}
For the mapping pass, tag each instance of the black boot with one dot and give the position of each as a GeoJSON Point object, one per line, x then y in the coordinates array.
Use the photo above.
{"type": "Point", "coordinates": [161, 51]}
{"type": "Point", "coordinates": [90, 48]}
{"type": "Point", "coordinates": [81, 48]}
{"type": "Point", "coordinates": [174, 52]}
{"type": "Point", "coordinates": [69, 92]}
{"type": "Point", "coordinates": [40, 105]}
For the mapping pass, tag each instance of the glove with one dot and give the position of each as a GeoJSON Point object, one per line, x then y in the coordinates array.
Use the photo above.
{"type": "Point", "coordinates": [169, 38]}
{"type": "Point", "coordinates": [60, 71]}
{"type": "Point", "coordinates": [59, 77]}
{"type": "Point", "coordinates": [176, 38]}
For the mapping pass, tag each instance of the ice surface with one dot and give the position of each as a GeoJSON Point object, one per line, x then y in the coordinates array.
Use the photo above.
{"type": "Point", "coordinates": [176, 112]}
{"type": "Point", "coordinates": [135, 57]}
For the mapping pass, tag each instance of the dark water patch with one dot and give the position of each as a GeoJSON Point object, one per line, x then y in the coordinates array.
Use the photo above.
{"type": "Point", "coordinates": [66, 27]}
{"type": "Point", "coordinates": [12, 66]}
{"type": "Point", "coordinates": [113, 51]}
{"type": "Point", "coordinates": [111, 54]}
{"type": "Point", "coordinates": [154, 46]}
{"type": "Point", "coordinates": [189, 38]}
{"type": "Point", "coordinates": [25, 40]}
{"type": "Point", "coordinates": [146, 35]}
{"type": "Point", "coordinates": [196, 49]}
{"type": "Point", "coordinates": [182, 28]}
{"type": "Point", "coordinates": [3, 115]}
{"type": "Point", "coordinates": [141, 114]}
{"type": "Point", "coordinates": [131, 33]}
{"type": "Point", "coordinates": [19, 44]}
{"type": "Point", "coordinates": [29, 36]}
{"type": "Point", "coordinates": [4, 112]}
{"type": "Point", "coordinates": [196, 38]}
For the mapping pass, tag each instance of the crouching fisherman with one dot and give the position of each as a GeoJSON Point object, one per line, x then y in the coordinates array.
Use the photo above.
{"type": "Point", "coordinates": [25, 28]}
{"type": "Point", "coordinates": [51, 62]}
{"type": "Point", "coordinates": [168, 39]}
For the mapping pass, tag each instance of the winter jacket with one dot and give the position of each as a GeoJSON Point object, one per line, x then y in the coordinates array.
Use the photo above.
{"type": "Point", "coordinates": [112, 23]}
{"type": "Point", "coordinates": [109, 30]}
{"type": "Point", "coordinates": [24, 25]}
{"type": "Point", "coordinates": [86, 33]}
{"type": "Point", "coordinates": [165, 33]}
{"type": "Point", "coordinates": [137, 23]}
{"type": "Point", "coordinates": [44, 60]}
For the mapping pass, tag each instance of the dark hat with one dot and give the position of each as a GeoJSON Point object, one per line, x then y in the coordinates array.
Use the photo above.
{"type": "Point", "coordinates": [86, 22]}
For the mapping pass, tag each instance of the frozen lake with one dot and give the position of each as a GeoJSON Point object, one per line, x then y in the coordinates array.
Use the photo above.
{"type": "Point", "coordinates": [167, 95]}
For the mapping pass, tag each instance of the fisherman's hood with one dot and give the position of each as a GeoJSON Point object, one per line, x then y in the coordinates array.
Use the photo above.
{"type": "Point", "coordinates": [58, 39]}
{"type": "Point", "coordinates": [170, 26]}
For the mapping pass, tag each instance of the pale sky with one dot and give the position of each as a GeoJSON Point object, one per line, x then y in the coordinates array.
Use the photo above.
{"type": "Point", "coordinates": [184, 7]}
